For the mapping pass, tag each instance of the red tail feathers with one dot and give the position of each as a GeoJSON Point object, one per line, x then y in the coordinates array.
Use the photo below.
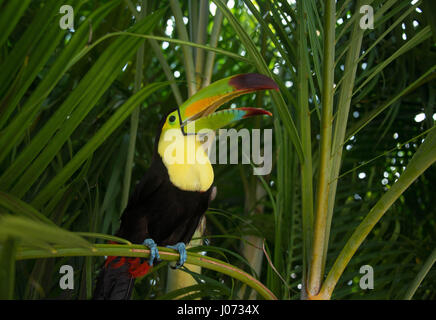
{"type": "Point", "coordinates": [137, 267]}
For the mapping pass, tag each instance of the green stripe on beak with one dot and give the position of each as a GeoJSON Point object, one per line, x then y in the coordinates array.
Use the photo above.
{"type": "Point", "coordinates": [222, 118]}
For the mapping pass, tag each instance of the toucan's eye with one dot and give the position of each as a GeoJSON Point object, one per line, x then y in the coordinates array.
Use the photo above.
{"type": "Point", "coordinates": [172, 119]}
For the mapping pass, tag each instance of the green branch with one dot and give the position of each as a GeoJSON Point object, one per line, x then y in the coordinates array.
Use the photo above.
{"type": "Point", "coordinates": [139, 251]}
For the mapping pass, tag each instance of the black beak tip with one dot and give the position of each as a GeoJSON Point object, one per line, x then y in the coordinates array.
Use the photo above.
{"type": "Point", "coordinates": [253, 81]}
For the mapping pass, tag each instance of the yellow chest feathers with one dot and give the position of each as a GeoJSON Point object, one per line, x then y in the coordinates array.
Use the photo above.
{"type": "Point", "coordinates": [187, 163]}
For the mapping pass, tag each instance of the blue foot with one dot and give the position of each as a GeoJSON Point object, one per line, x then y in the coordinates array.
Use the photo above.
{"type": "Point", "coordinates": [181, 248]}
{"type": "Point", "coordinates": [154, 253]}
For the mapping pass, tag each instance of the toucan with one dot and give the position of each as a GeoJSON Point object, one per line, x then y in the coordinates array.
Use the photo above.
{"type": "Point", "coordinates": [167, 204]}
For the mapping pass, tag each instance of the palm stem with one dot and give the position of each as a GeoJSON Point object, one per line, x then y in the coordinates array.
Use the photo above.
{"type": "Point", "coordinates": [305, 134]}
{"type": "Point", "coordinates": [203, 15]}
{"type": "Point", "coordinates": [134, 121]}
{"type": "Point", "coordinates": [187, 51]}
{"type": "Point", "coordinates": [208, 68]}
{"type": "Point", "coordinates": [341, 118]}
{"type": "Point", "coordinates": [167, 70]}
{"type": "Point", "coordinates": [315, 273]}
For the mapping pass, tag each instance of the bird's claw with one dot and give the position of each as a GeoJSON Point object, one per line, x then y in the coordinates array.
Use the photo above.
{"type": "Point", "coordinates": [154, 253]}
{"type": "Point", "coordinates": [181, 248]}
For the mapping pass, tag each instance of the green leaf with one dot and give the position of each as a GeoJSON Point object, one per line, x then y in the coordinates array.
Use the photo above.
{"type": "Point", "coordinates": [17, 206]}
{"type": "Point", "coordinates": [35, 57]}
{"type": "Point", "coordinates": [38, 234]}
{"type": "Point", "coordinates": [421, 275]}
{"type": "Point", "coordinates": [61, 125]}
{"type": "Point", "coordinates": [10, 14]}
{"type": "Point", "coordinates": [15, 131]}
{"type": "Point", "coordinates": [119, 116]}
{"type": "Point", "coordinates": [7, 268]}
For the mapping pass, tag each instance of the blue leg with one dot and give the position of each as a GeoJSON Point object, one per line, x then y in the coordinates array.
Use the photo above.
{"type": "Point", "coordinates": [181, 248]}
{"type": "Point", "coordinates": [154, 253]}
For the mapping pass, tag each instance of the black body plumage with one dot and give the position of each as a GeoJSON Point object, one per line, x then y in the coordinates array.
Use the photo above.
{"type": "Point", "coordinates": [158, 210]}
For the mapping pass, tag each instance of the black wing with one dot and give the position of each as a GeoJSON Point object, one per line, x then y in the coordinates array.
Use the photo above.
{"type": "Point", "coordinates": [134, 220]}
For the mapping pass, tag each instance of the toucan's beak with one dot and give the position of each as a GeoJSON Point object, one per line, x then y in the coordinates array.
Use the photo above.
{"type": "Point", "coordinates": [199, 110]}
